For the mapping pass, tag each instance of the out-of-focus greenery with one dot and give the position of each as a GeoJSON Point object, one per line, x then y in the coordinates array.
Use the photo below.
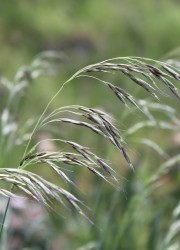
{"type": "Point", "coordinates": [86, 31]}
{"type": "Point", "coordinates": [89, 31]}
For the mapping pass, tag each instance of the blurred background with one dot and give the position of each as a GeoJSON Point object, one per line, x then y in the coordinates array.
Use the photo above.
{"type": "Point", "coordinates": [82, 32]}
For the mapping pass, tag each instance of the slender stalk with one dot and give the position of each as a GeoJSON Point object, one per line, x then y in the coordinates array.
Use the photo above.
{"type": "Point", "coordinates": [39, 120]}
{"type": "Point", "coordinates": [2, 233]}
{"type": "Point", "coordinates": [4, 217]}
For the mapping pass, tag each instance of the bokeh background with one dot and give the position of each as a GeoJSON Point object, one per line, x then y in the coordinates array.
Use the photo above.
{"type": "Point", "coordinates": [85, 32]}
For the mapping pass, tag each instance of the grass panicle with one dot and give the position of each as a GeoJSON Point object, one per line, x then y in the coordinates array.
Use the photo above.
{"type": "Point", "coordinates": [147, 74]}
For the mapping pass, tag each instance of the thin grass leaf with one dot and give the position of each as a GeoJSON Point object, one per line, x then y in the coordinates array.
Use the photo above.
{"type": "Point", "coordinates": [154, 146]}
{"type": "Point", "coordinates": [165, 168]}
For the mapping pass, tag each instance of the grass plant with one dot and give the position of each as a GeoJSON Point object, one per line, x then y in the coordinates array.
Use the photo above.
{"type": "Point", "coordinates": [157, 81]}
